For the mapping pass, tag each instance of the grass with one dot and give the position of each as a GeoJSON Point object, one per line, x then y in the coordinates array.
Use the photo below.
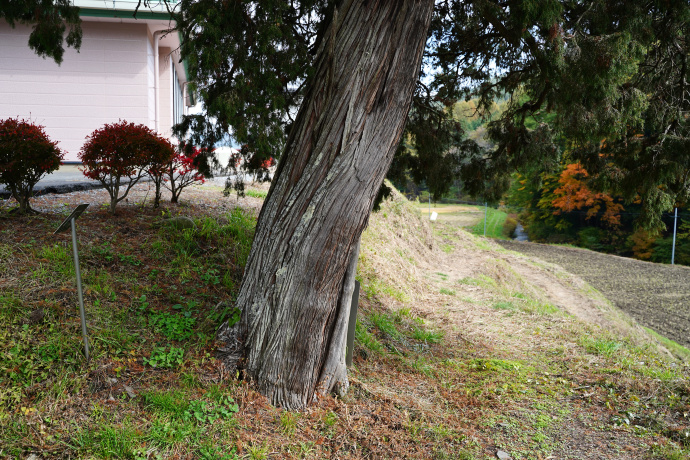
{"type": "Point", "coordinates": [494, 224]}
{"type": "Point", "coordinates": [144, 330]}
{"type": "Point", "coordinates": [675, 348]}
{"type": "Point", "coordinates": [256, 193]}
{"type": "Point", "coordinates": [434, 376]}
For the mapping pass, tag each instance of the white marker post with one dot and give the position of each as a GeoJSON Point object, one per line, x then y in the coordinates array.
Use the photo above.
{"type": "Point", "coordinates": [673, 249]}
{"type": "Point", "coordinates": [69, 222]}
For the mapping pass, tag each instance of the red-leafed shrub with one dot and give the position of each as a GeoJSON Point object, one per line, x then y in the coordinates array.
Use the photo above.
{"type": "Point", "coordinates": [183, 171]}
{"type": "Point", "coordinates": [119, 154]}
{"type": "Point", "coordinates": [26, 154]}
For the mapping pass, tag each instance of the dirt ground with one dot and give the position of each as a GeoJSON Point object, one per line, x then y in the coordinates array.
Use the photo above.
{"type": "Point", "coordinates": [656, 295]}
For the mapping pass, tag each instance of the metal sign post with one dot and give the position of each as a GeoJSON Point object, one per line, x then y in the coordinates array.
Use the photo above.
{"type": "Point", "coordinates": [69, 222]}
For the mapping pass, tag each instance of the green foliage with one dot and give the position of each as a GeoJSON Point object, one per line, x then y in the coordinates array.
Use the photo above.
{"type": "Point", "coordinates": [504, 306]}
{"type": "Point", "coordinates": [240, 228]}
{"type": "Point", "coordinates": [175, 326]}
{"type": "Point", "coordinates": [248, 88]}
{"type": "Point", "coordinates": [384, 323]}
{"type": "Point", "coordinates": [26, 155]}
{"type": "Point", "coordinates": [202, 412]}
{"type": "Point", "coordinates": [496, 365]}
{"type": "Point", "coordinates": [427, 336]}
{"type": "Point", "coordinates": [165, 358]}
{"type": "Point", "coordinates": [49, 23]}
{"type": "Point", "coordinates": [600, 346]}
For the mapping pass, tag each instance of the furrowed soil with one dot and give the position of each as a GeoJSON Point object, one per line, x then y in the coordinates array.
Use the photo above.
{"type": "Point", "coordinates": [463, 350]}
{"type": "Point", "coordinates": [656, 295]}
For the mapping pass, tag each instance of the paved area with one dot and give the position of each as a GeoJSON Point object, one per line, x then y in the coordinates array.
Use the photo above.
{"type": "Point", "coordinates": [66, 179]}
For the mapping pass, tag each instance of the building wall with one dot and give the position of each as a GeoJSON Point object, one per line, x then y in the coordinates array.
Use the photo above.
{"type": "Point", "coordinates": [150, 68]}
{"type": "Point", "coordinates": [165, 93]}
{"type": "Point", "coordinates": [106, 81]}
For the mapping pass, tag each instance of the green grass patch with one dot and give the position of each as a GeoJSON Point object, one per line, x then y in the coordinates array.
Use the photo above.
{"type": "Point", "coordinates": [495, 220]}
{"type": "Point", "coordinates": [385, 323]}
{"type": "Point", "coordinates": [426, 335]}
{"type": "Point", "coordinates": [366, 338]}
{"type": "Point", "coordinates": [600, 345]}
{"type": "Point", "coordinates": [256, 193]}
{"type": "Point", "coordinates": [677, 349]}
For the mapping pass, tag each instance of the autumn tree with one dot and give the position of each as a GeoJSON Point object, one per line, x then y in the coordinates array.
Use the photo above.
{"type": "Point", "coordinates": [119, 154]}
{"type": "Point", "coordinates": [573, 194]}
{"type": "Point", "coordinates": [26, 155]}
{"type": "Point", "coordinates": [183, 171]}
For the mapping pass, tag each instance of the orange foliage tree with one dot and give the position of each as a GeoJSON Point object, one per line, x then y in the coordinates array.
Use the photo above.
{"type": "Point", "coordinates": [573, 195]}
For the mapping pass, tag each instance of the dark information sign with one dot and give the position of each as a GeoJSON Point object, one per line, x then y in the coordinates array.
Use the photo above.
{"type": "Point", "coordinates": [76, 213]}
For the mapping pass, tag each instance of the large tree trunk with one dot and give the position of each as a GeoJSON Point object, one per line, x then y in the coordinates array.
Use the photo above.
{"type": "Point", "coordinates": [298, 280]}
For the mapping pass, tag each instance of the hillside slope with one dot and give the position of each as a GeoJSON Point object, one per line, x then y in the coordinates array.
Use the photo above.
{"type": "Point", "coordinates": [533, 361]}
{"type": "Point", "coordinates": [656, 295]}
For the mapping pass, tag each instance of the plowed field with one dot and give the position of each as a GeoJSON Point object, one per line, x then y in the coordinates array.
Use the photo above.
{"type": "Point", "coordinates": [656, 295]}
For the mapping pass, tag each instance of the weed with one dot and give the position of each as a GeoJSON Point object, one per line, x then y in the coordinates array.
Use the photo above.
{"type": "Point", "coordinates": [164, 358]}
{"type": "Point", "coordinates": [129, 260]}
{"type": "Point", "coordinates": [211, 452]}
{"type": "Point", "coordinates": [447, 291]}
{"type": "Point", "coordinates": [504, 306]}
{"type": "Point", "coordinates": [376, 288]}
{"type": "Point", "coordinates": [306, 448]}
{"type": "Point", "coordinates": [256, 193]}
{"type": "Point", "coordinates": [366, 338]}
{"type": "Point", "coordinates": [402, 313]}
{"type": "Point", "coordinates": [481, 280]}
{"type": "Point", "coordinates": [175, 326]}
{"type": "Point", "coordinates": [423, 366]}
{"type": "Point", "coordinates": [539, 308]}
{"type": "Point", "coordinates": [202, 412]}
{"type": "Point", "coordinates": [600, 346]}
{"type": "Point", "coordinates": [240, 228]}
{"type": "Point", "coordinates": [288, 423]}
{"type": "Point", "coordinates": [493, 365]}
{"type": "Point", "coordinates": [257, 452]}
{"type": "Point", "coordinates": [385, 324]}
{"type": "Point", "coordinates": [209, 276]}
{"type": "Point", "coordinates": [427, 336]}
{"type": "Point", "coordinates": [58, 255]}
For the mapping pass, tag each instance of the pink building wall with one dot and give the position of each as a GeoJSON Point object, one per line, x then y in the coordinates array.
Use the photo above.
{"type": "Point", "coordinates": [109, 79]}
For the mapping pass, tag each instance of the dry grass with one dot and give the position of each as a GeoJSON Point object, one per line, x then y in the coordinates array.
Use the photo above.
{"type": "Point", "coordinates": [462, 349]}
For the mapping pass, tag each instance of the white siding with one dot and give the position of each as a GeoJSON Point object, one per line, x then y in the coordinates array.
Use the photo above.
{"type": "Point", "coordinates": [106, 81]}
{"type": "Point", "coordinates": [150, 69]}
{"type": "Point", "coordinates": [165, 92]}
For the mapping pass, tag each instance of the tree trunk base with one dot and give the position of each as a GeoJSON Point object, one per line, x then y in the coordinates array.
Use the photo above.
{"type": "Point", "coordinates": [231, 353]}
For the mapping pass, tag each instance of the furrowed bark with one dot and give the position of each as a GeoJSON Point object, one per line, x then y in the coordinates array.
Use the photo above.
{"type": "Point", "coordinates": [336, 158]}
{"type": "Point", "coordinates": [334, 373]}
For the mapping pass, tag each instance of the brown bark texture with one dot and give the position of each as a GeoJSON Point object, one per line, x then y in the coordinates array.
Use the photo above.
{"type": "Point", "coordinates": [297, 285]}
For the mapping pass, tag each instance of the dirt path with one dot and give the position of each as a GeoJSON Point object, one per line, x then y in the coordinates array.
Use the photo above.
{"type": "Point", "coordinates": [656, 295]}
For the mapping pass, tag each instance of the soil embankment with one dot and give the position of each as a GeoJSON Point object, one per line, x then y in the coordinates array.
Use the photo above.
{"type": "Point", "coordinates": [656, 295]}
